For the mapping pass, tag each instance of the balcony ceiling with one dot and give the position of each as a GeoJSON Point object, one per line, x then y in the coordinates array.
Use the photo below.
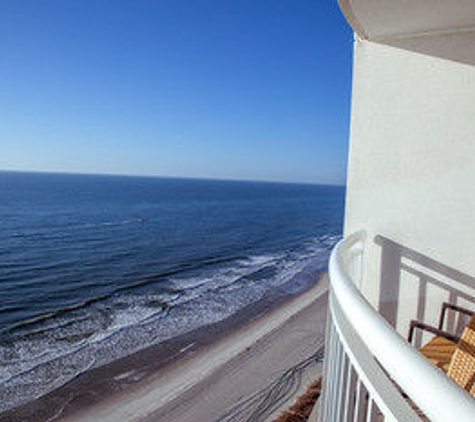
{"type": "Point", "coordinates": [386, 19]}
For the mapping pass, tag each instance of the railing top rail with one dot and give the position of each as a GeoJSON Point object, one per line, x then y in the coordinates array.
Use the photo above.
{"type": "Point", "coordinates": [440, 398]}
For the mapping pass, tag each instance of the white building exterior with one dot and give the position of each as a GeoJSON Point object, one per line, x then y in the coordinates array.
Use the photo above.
{"type": "Point", "coordinates": [411, 189]}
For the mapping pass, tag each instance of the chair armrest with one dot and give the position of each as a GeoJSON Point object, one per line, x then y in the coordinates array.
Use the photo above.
{"type": "Point", "coordinates": [453, 307]}
{"type": "Point", "coordinates": [431, 329]}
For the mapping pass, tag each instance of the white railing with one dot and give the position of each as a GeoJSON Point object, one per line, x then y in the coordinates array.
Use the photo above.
{"type": "Point", "coordinates": [372, 373]}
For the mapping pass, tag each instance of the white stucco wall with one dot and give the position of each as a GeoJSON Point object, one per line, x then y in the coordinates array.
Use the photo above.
{"type": "Point", "coordinates": [411, 175]}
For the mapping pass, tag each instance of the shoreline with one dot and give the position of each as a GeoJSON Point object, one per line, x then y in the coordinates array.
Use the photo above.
{"type": "Point", "coordinates": [264, 374]}
{"type": "Point", "coordinates": [123, 384]}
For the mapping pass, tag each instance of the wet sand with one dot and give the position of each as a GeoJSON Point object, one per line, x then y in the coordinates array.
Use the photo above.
{"type": "Point", "coordinates": [262, 380]}
{"type": "Point", "coordinates": [221, 372]}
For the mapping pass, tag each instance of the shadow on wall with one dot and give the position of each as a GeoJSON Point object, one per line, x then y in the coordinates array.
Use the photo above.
{"type": "Point", "coordinates": [449, 284]}
{"type": "Point", "coordinates": [456, 47]}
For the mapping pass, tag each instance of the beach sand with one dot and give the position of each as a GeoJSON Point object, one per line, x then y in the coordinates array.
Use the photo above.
{"type": "Point", "coordinates": [252, 373]}
{"type": "Point", "coordinates": [210, 384]}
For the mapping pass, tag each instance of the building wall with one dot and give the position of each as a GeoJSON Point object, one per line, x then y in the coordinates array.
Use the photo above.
{"type": "Point", "coordinates": [411, 176]}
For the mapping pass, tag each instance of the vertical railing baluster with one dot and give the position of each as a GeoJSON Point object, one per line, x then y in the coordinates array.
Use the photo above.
{"type": "Point", "coordinates": [372, 412]}
{"type": "Point", "coordinates": [332, 371]}
{"type": "Point", "coordinates": [335, 350]}
{"type": "Point", "coordinates": [361, 402]}
{"type": "Point", "coordinates": [337, 381]}
{"type": "Point", "coordinates": [357, 400]}
{"type": "Point", "coordinates": [350, 394]}
{"type": "Point", "coordinates": [345, 364]}
{"type": "Point", "coordinates": [330, 356]}
{"type": "Point", "coordinates": [324, 413]}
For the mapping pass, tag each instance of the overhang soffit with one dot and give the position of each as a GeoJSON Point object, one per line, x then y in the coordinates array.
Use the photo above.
{"type": "Point", "coordinates": [379, 20]}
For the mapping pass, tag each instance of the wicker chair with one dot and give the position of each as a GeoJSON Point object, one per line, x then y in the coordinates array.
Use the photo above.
{"type": "Point", "coordinates": [454, 355]}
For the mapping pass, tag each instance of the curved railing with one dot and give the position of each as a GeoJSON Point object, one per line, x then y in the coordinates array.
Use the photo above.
{"type": "Point", "coordinates": [372, 373]}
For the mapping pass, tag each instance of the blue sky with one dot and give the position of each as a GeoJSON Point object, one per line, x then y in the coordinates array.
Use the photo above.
{"type": "Point", "coordinates": [243, 89]}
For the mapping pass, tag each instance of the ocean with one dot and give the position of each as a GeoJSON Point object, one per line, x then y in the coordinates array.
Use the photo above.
{"type": "Point", "coordinates": [95, 268]}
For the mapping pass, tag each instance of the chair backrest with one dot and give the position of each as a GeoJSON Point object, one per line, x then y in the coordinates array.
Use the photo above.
{"type": "Point", "coordinates": [462, 365]}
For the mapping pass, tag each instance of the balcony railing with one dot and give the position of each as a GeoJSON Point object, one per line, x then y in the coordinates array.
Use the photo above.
{"type": "Point", "coordinates": [371, 372]}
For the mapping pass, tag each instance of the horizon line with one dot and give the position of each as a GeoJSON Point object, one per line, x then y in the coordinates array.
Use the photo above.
{"type": "Point", "coordinates": [59, 172]}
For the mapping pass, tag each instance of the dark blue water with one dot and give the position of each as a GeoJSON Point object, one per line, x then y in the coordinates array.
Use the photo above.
{"type": "Point", "coordinates": [93, 268]}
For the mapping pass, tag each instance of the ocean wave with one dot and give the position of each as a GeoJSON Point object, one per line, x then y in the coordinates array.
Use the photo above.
{"type": "Point", "coordinates": [54, 227]}
{"type": "Point", "coordinates": [55, 347]}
